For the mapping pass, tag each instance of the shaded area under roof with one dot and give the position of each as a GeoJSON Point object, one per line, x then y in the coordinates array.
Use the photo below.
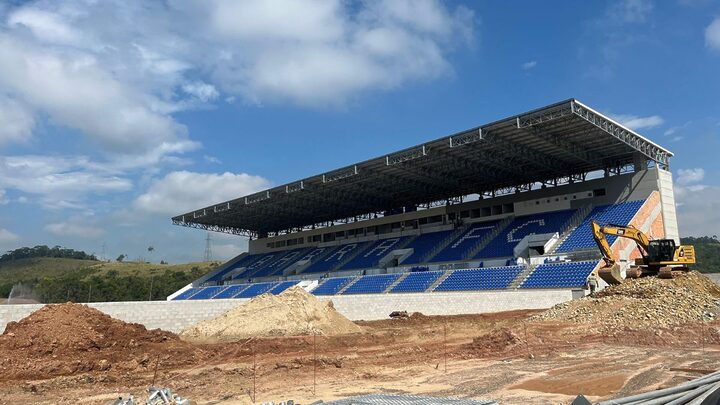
{"type": "Point", "coordinates": [563, 140]}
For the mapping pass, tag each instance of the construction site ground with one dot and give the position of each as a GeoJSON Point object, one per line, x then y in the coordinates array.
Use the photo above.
{"type": "Point", "coordinates": [499, 356]}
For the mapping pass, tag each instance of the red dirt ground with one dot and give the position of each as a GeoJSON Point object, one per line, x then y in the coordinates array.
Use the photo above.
{"type": "Point", "coordinates": [91, 358]}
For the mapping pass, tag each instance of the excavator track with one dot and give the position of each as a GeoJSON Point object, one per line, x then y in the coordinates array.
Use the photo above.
{"type": "Point", "coordinates": [672, 271]}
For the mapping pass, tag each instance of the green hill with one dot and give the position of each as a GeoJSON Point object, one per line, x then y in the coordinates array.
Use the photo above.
{"type": "Point", "coordinates": [707, 252]}
{"type": "Point", "coordinates": [55, 279]}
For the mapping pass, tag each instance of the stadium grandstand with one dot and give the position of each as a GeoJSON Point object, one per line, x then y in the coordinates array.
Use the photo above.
{"type": "Point", "coordinates": [503, 206]}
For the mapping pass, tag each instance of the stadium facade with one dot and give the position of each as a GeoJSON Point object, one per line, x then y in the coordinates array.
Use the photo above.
{"type": "Point", "coordinates": [503, 206]}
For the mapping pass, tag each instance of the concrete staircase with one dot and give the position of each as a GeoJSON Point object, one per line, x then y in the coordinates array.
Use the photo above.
{"type": "Point", "coordinates": [440, 279]}
{"type": "Point", "coordinates": [445, 242]}
{"type": "Point", "coordinates": [522, 276]}
{"type": "Point", "coordinates": [472, 252]}
{"type": "Point", "coordinates": [402, 277]}
{"type": "Point", "coordinates": [353, 281]}
{"type": "Point", "coordinates": [571, 225]}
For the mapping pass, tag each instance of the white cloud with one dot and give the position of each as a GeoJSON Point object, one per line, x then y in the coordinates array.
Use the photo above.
{"type": "Point", "coordinates": [636, 122]}
{"type": "Point", "coordinates": [3, 197]}
{"type": "Point", "coordinates": [307, 52]}
{"type": "Point", "coordinates": [7, 237]}
{"type": "Point", "coordinates": [631, 11]}
{"type": "Point", "coordinates": [712, 34]}
{"type": "Point", "coordinates": [690, 176]}
{"type": "Point", "coordinates": [697, 206]}
{"type": "Point", "coordinates": [80, 227]}
{"type": "Point", "coordinates": [77, 92]}
{"type": "Point", "coordinates": [202, 91]}
{"type": "Point", "coordinates": [699, 211]}
{"type": "Point", "coordinates": [59, 182]}
{"type": "Point", "coordinates": [212, 159]}
{"type": "Point", "coordinates": [46, 26]}
{"type": "Point", "coordinates": [529, 65]}
{"type": "Point", "coordinates": [17, 121]}
{"type": "Point", "coordinates": [182, 191]}
{"type": "Point", "coordinates": [333, 53]}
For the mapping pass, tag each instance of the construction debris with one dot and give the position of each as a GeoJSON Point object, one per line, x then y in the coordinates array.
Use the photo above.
{"type": "Point", "coordinates": [643, 303]}
{"type": "Point", "coordinates": [156, 396]}
{"type": "Point", "coordinates": [399, 315]}
{"type": "Point", "coordinates": [294, 312]}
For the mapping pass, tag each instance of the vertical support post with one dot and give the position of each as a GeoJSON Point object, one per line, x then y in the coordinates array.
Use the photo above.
{"type": "Point", "coordinates": [445, 345]}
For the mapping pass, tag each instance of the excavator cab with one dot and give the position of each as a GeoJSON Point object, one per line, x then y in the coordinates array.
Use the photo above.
{"type": "Point", "coordinates": [661, 250]}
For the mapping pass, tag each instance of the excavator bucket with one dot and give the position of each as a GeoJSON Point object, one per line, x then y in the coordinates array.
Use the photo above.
{"type": "Point", "coordinates": [611, 274]}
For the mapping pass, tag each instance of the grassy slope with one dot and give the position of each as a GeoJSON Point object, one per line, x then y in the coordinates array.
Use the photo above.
{"type": "Point", "coordinates": [57, 279]}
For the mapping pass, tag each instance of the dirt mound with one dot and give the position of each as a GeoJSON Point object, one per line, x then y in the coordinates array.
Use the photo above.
{"type": "Point", "coordinates": [71, 338]}
{"type": "Point", "coordinates": [643, 303]}
{"type": "Point", "coordinates": [293, 312]}
{"type": "Point", "coordinates": [497, 341]}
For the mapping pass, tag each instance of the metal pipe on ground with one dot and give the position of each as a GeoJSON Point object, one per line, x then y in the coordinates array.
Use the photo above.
{"type": "Point", "coordinates": [709, 379]}
{"type": "Point", "coordinates": [691, 395]}
{"type": "Point", "coordinates": [699, 400]}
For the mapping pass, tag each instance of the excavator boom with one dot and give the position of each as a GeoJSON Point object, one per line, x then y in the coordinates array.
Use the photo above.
{"type": "Point", "coordinates": [658, 256]}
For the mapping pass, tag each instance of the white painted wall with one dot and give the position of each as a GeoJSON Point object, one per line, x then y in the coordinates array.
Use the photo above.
{"type": "Point", "coordinates": [175, 316]}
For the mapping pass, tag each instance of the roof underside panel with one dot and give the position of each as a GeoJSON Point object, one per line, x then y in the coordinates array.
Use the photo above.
{"type": "Point", "coordinates": [560, 140]}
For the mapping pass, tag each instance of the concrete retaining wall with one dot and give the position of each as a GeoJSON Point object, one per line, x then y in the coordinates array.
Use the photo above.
{"type": "Point", "coordinates": [175, 316]}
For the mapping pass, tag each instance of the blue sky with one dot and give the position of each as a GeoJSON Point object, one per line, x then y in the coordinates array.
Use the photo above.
{"type": "Point", "coordinates": [117, 115]}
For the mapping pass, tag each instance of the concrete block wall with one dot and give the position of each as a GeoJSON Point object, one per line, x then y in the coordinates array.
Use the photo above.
{"type": "Point", "coordinates": [175, 316]}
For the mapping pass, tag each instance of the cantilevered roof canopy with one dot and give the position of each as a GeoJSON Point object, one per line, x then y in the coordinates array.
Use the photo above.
{"type": "Point", "coordinates": [562, 141]}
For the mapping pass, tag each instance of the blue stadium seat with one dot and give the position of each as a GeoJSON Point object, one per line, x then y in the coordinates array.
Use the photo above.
{"type": "Point", "coordinates": [376, 251]}
{"type": "Point", "coordinates": [490, 278]}
{"type": "Point", "coordinates": [187, 293]}
{"type": "Point", "coordinates": [520, 227]}
{"type": "Point", "coordinates": [423, 244]}
{"type": "Point", "coordinates": [231, 291]}
{"type": "Point", "coordinates": [560, 275]}
{"type": "Point", "coordinates": [333, 259]}
{"type": "Point", "coordinates": [417, 282]}
{"type": "Point", "coordinates": [276, 266]}
{"type": "Point", "coordinates": [331, 285]}
{"type": "Point", "coordinates": [244, 262]}
{"type": "Point", "coordinates": [460, 247]}
{"type": "Point", "coordinates": [373, 284]}
{"type": "Point", "coordinates": [255, 290]}
{"type": "Point", "coordinates": [619, 214]}
{"type": "Point", "coordinates": [282, 286]}
{"type": "Point", "coordinates": [208, 292]}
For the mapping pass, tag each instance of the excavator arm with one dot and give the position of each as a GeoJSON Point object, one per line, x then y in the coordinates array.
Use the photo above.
{"type": "Point", "coordinates": [611, 271]}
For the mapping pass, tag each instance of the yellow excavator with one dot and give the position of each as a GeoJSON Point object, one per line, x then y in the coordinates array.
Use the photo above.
{"type": "Point", "coordinates": [660, 257]}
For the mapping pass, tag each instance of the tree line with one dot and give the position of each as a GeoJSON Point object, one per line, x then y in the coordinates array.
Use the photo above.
{"type": "Point", "coordinates": [707, 252]}
{"type": "Point", "coordinates": [45, 251]}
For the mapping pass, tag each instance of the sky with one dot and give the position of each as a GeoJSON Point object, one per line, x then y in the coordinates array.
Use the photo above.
{"type": "Point", "coordinates": [117, 115]}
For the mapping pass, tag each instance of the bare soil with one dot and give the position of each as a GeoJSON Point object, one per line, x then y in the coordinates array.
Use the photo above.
{"type": "Point", "coordinates": [501, 356]}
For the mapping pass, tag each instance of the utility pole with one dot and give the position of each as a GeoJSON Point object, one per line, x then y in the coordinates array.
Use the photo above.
{"type": "Point", "coordinates": [208, 252]}
{"type": "Point", "coordinates": [104, 258]}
